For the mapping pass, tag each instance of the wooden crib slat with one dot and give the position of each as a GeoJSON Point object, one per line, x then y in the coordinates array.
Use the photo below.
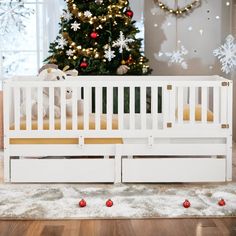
{"type": "Point", "coordinates": [132, 108]}
{"type": "Point", "coordinates": [28, 108]}
{"type": "Point", "coordinates": [98, 105]}
{"type": "Point", "coordinates": [204, 104]}
{"type": "Point", "coordinates": [163, 106]}
{"type": "Point", "coordinates": [216, 104]}
{"type": "Point", "coordinates": [40, 108]}
{"type": "Point", "coordinates": [90, 99]}
{"type": "Point", "coordinates": [154, 102]}
{"type": "Point", "coordinates": [74, 108]}
{"type": "Point", "coordinates": [180, 105]}
{"type": "Point", "coordinates": [109, 107]}
{"type": "Point", "coordinates": [223, 105]}
{"type": "Point", "coordinates": [51, 108]}
{"type": "Point", "coordinates": [143, 107]}
{"type": "Point", "coordinates": [63, 109]}
{"type": "Point", "coordinates": [172, 94]}
{"type": "Point", "coordinates": [192, 104]}
{"type": "Point", "coordinates": [17, 108]}
{"type": "Point", "coordinates": [86, 107]}
{"type": "Point", "coordinates": [121, 107]}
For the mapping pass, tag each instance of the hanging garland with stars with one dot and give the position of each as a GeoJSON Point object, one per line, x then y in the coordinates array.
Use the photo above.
{"type": "Point", "coordinates": [178, 11]}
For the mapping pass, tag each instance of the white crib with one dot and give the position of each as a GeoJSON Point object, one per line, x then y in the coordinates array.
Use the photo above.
{"type": "Point", "coordinates": [158, 143]}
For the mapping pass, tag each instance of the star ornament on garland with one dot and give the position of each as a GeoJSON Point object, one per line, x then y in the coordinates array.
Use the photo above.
{"type": "Point", "coordinates": [61, 42]}
{"type": "Point", "coordinates": [66, 15]}
{"type": "Point", "coordinates": [226, 53]}
{"type": "Point", "coordinates": [75, 26]}
{"type": "Point", "coordinates": [87, 14]}
{"type": "Point", "coordinates": [69, 52]}
{"type": "Point", "coordinates": [122, 43]}
{"type": "Point", "coordinates": [177, 57]}
{"type": "Point", "coordinates": [109, 54]}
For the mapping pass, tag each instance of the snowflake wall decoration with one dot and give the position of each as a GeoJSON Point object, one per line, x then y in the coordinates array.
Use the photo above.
{"type": "Point", "coordinates": [177, 57]}
{"type": "Point", "coordinates": [122, 42]}
{"type": "Point", "coordinates": [226, 53]}
{"type": "Point", "coordinates": [12, 16]}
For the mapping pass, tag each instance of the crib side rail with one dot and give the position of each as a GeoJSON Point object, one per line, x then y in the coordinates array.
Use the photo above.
{"type": "Point", "coordinates": [116, 106]}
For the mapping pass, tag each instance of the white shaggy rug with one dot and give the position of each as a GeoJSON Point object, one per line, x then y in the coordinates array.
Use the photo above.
{"type": "Point", "coordinates": [130, 201]}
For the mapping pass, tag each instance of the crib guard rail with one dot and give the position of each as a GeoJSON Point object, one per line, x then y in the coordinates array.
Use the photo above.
{"type": "Point", "coordinates": [146, 103]}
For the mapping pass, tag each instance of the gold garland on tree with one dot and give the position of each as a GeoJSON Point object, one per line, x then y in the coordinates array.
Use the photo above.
{"type": "Point", "coordinates": [178, 11]}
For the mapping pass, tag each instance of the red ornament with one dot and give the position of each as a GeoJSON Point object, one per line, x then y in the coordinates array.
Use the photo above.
{"type": "Point", "coordinates": [82, 203]}
{"type": "Point", "coordinates": [94, 35]}
{"type": "Point", "coordinates": [84, 64]}
{"type": "Point", "coordinates": [129, 13]}
{"type": "Point", "coordinates": [221, 202]}
{"type": "Point", "coordinates": [186, 204]}
{"type": "Point", "coordinates": [109, 203]}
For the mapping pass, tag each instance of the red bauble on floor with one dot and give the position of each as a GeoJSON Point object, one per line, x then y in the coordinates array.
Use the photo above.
{"type": "Point", "coordinates": [82, 203]}
{"type": "Point", "coordinates": [221, 202]}
{"type": "Point", "coordinates": [109, 203]}
{"type": "Point", "coordinates": [186, 204]}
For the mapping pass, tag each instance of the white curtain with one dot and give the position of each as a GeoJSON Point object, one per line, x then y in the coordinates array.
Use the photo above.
{"type": "Point", "coordinates": [52, 12]}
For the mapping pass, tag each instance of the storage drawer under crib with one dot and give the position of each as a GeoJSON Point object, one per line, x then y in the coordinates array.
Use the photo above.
{"type": "Point", "coordinates": [63, 170]}
{"type": "Point", "coordinates": [187, 169]}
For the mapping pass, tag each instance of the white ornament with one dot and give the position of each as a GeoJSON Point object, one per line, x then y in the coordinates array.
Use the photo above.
{"type": "Point", "coordinates": [75, 26]}
{"type": "Point", "coordinates": [99, 1]}
{"type": "Point", "coordinates": [177, 57]}
{"type": "Point", "coordinates": [122, 42]}
{"type": "Point", "coordinates": [69, 53]}
{"type": "Point", "coordinates": [109, 54]}
{"type": "Point", "coordinates": [67, 15]}
{"type": "Point", "coordinates": [87, 14]}
{"type": "Point", "coordinates": [226, 53]}
{"type": "Point", "coordinates": [123, 69]}
{"type": "Point", "coordinates": [61, 42]}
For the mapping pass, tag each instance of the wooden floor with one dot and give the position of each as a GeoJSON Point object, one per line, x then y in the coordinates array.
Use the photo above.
{"type": "Point", "coordinates": [154, 227]}
{"type": "Point", "coordinates": [145, 227]}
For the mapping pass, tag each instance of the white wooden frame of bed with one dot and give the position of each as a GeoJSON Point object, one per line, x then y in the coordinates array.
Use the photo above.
{"type": "Point", "coordinates": [170, 150]}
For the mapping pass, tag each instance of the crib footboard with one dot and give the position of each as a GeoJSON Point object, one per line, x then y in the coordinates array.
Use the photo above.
{"type": "Point", "coordinates": [172, 129]}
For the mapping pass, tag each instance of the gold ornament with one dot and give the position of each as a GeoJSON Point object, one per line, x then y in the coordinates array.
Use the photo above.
{"type": "Point", "coordinates": [123, 62]}
{"type": "Point", "coordinates": [179, 11]}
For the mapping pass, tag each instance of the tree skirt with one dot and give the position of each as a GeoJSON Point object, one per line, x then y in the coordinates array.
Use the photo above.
{"type": "Point", "coordinates": [47, 201]}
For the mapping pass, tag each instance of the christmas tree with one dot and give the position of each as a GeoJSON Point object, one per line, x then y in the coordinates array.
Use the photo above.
{"type": "Point", "coordinates": [98, 37]}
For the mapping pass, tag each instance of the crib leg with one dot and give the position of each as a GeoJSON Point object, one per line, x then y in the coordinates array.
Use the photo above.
{"type": "Point", "coordinates": [6, 166]}
{"type": "Point", "coordinates": [229, 160]}
{"type": "Point", "coordinates": [117, 169]}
